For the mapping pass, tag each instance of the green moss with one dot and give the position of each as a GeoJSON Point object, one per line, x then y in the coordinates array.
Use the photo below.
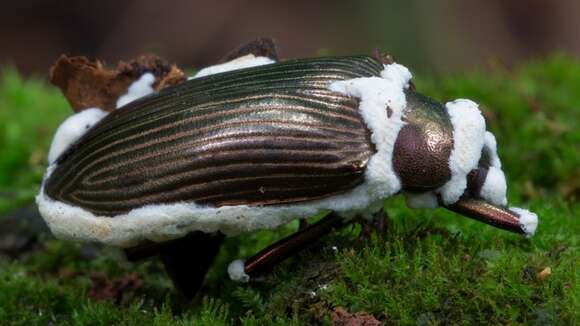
{"type": "Point", "coordinates": [431, 267]}
{"type": "Point", "coordinates": [30, 111]}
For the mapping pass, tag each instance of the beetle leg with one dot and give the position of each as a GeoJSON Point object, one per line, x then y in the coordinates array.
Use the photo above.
{"type": "Point", "coordinates": [279, 251]}
{"type": "Point", "coordinates": [186, 260]}
{"type": "Point", "coordinates": [264, 47]}
{"type": "Point", "coordinates": [303, 223]}
{"type": "Point", "coordinates": [366, 230]}
{"type": "Point", "coordinates": [379, 224]}
{"type": "Point", "coordinates": [485, 212]}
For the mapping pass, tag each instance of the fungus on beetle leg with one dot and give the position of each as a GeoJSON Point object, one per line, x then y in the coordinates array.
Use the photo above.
{"type": "Point", "coordinates": [253, 143]}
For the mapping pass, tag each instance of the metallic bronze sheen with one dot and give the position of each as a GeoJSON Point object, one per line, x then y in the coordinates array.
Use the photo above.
{"type": "Point", "coordinates": [424, 144]}
{"type": "Point", "coordinates": [260, 136]}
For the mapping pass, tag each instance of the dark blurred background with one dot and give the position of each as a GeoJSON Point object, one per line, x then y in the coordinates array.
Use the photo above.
{"type": "Point", "coordinates": [430, 36]}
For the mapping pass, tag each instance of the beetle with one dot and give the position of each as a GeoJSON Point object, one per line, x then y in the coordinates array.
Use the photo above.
{"type": "Point", "coordinates": [253, 143]}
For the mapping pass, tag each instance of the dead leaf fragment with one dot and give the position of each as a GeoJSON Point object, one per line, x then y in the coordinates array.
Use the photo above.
{"type": "Point", "coordinates": [341, 317]}
{"type": "Point", "coordinates": [260, 47]}
{"type": "Point", "coordinates": [87, 84]}
{"type": "Point", "coordinates": [545, 273]}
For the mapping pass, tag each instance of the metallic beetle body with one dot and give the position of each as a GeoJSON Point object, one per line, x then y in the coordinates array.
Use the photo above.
{"type": "Point", "coordinates": [215, 155]}
{"type": "Point", "coordinates": [262, 136]}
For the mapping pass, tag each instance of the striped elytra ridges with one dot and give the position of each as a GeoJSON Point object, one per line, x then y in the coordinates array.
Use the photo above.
{"type": "Point", "coordinates": [260, 136]}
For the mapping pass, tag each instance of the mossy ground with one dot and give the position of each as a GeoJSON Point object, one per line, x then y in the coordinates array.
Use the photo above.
{"type": "Point", "coordinates": [432, 267]}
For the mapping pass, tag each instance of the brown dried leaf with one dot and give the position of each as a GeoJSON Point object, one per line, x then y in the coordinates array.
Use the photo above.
{"type": "Point", "coordinates": [383, 58]}
{"type": "Point", "coordinates": [260, 47]}
{"type": "Point", "coordinates": [165, 74]}
{"type": "Point", "coordinates": [341, 317]}
{"type": "Point", "coordinates": [173, 77]}
{"type": "Point", "coordinates": [544, 274]}
{"type": "Point", "coordinates": [88, 84]}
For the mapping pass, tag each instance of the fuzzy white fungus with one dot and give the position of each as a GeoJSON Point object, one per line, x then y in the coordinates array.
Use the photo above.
{"type": "Point", "coordinates": [491, 147]}
{"type": "Point", "coordinates": [236, 271]}
{"type": "Point", "coordinates": [421, 200]}
{"type": "Point", "coordinates": [494, 187]}
{"type": "Point", "coordinates": [139, 88]}
{"type": "Point", "coordinates": [468, 139]}
{"type": "Point", "coordinates": [528, 220]}
{"type": "Point", "coordinates": [73, 128]}
{"type": "Point", "coordinates": [246, 61]}
{"type": "Point", "coordinates": [376, 94]}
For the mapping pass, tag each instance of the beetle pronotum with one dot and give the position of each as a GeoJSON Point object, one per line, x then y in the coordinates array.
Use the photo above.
{"type": "Point", "coordinates": [252, 144]}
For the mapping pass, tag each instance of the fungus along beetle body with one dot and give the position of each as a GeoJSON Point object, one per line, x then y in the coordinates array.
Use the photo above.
{"type": "Point", "coordinates": [235, 150]}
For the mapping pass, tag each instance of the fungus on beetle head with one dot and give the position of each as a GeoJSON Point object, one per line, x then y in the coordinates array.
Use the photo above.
{"type": "Point", "coordinates": [252, 143]}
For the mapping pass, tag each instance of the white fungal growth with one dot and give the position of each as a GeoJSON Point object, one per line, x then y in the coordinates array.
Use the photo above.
{"type": "Point", "coordinates": [468, 139]}
{"type": "Point", "coordinates": [236, 271]}
{"type": "Point", "coordinates": [169, 221]}
{"type": "Point", "coordinates": [73, 128]}
{"type": "Point", "coordinates": [246, 61]}
{"type": "Point", "coordinates": [421, 200]}
{"type": "Point", "coordinates": [528, 220]}
{"type": "Point", "coordinates": [139, 88]}
{"type": "Point", "coordinates": [491, 148]}
{"type": "Point", "coordinates": [376, 95]}
{"type": "Point", "coordinates": [494, 187]}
